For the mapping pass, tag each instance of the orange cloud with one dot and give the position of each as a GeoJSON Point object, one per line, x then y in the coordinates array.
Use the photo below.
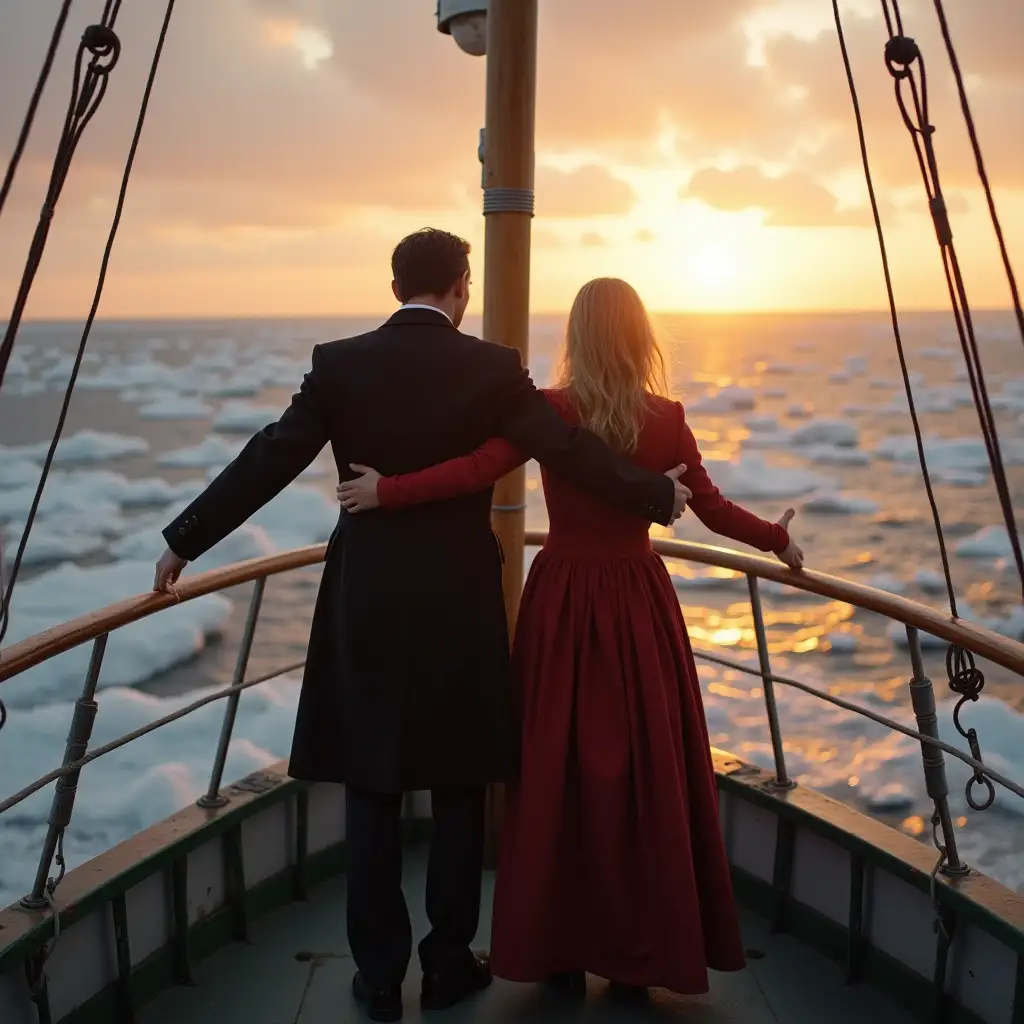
{"type": "Point", "coordinates": [587, 192]}
{"type": "Point", "coordinates": [289, 142]}
{"type": "Point", "coordinates": [789, 200]}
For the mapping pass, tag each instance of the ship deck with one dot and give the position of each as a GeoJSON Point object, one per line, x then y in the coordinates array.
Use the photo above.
{"type": "Point", "coordinates": [297, 969]}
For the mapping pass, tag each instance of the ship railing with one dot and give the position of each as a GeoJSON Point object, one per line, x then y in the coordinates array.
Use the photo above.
{"type": "Point", "coordinates": [96, 627]}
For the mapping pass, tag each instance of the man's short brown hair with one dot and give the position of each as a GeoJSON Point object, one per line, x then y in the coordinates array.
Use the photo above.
{"type": "Point", "coordinates": [428, 262]}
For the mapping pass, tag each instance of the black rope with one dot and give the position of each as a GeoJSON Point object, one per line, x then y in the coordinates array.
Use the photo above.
{"type": "Point", "coordinates": [966, 679]}
{"type": "Point", "coordinates": [862, 138]}
{"type": "Point", "coordinates": [88, 87]}
{"type": "Point", "coordinates": [979, 160]}
{"type": "Point", "coordinates": [101, 280]}
{"type": "Point", "coordinates": [33, 103]}
{"type": "Point", "coordinates": [902, 57]}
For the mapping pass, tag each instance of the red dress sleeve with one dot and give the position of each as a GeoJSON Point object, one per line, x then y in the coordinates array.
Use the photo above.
{"type": "Point", "coordinates": [468, 473]}
{"type": "Point", "coordinates": [716, 512]}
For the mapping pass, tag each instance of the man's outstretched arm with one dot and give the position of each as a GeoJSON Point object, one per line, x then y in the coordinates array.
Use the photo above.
{"type": "Point", "coordinates": [270, 461]}
{"type": "Point", "coordinates": [527, 419]}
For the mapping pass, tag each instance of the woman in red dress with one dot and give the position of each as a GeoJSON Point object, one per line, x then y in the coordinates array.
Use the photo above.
{"type": "Point", "coordinates": [611, 859]}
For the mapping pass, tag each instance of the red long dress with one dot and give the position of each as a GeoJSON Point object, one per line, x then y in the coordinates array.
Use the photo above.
{"type": "Point", "coordinates": [611, 857]}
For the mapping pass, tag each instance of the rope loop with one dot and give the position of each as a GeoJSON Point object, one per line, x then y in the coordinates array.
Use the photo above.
{"type": "Point", "coordinates": [900, 53]}
{"type": "Point", "coordinates": [101, 41]}
{"type": "Point", "coordinates": [966, 679]}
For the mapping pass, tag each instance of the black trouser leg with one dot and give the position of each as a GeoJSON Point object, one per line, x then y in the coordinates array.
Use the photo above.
{"type": "Point", "coordinates": [454, 877]}
{"type": "Point", "coordinates": [379, 932]}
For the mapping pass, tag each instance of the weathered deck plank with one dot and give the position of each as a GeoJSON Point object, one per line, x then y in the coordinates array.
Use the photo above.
{"type": "Point", "coordinates": [298, 970]}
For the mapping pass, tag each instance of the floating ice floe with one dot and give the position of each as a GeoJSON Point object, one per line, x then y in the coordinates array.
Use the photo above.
{"type": "Point", "coordinates": [840, 642]}
{"type": "Point", "coordinates": [892, 796]}
{"type": "Point", "coordinates": [134, 653]}
{"type": "Point", "coordinates": [837, 503]}
{"type": "Point", "coordinates": [837, 433]}
{"type": "Point", "coordinates": [83, 447]}
{"type": "Point", "coordinates": [175, 407]}
{"type": "Point", "coordinates": [930, 582]}
{"type": "Point", "coordinates": [727, 399]}
{"type": "Point", "coordinates": [1011, 625]}
{"type": "Point", "coordinates": [890, 584]}
{"type": "Point", "coordinates": [948, 454]}
{"type": "Point", "coordinates": [137, 785]}
{"type": "Point", "coordinates": [242, 418]}
{"type": "Point", "coordinates": [211, 451]}
{"type": "Point", "coordinates": [833, 455]}
{"type": "Point", "coordinates": [750, 477]}
{"type": "Point", "coordinates": [988, 542]}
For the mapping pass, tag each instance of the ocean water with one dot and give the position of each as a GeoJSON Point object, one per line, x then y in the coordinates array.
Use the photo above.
{"type": "Point", "coordinates": [790, 411]}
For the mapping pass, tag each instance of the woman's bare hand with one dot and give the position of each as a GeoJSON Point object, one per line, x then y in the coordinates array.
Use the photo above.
{"type": "Point", "coordinates": [793, 556]}
{"type": "Point", "coordinates": [360, 494]}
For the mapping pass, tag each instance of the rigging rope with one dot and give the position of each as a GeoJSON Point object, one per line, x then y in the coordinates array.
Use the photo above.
{"type": "Point", "coordinates": [893, 314]}
{"type": "Point", "coordinates": [101, 43]}
{"type": "Point", "coordinates": [33, 103]}
{"type": "Point", "coordinates": [979, 160]}
{"type": "Point", "coordinates": [902, 55]}
{"type": "Point", "coordinates": [88, 87]}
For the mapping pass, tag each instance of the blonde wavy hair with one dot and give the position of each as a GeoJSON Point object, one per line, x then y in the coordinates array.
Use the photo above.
{"type": "Point", "coordinates": [611, 361]}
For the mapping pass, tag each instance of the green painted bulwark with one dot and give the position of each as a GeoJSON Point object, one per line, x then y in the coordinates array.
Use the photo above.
{"type": "Point", "coordinates": [975, 898]}
{"type": "Point", "coordinates": [163, 848]}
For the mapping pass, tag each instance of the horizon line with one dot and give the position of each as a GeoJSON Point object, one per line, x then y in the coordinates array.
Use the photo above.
{"type": "Point", "coordinates": [152, 317]}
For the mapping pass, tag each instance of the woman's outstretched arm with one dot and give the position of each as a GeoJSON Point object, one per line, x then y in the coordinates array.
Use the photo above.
{"type": "Point", "coordinates": [719, 514]}
{"type": "Point", "coordinates": [468, 473]}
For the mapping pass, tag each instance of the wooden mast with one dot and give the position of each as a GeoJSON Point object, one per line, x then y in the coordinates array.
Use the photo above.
{"type": "Point", "coordinates": [508, 211]}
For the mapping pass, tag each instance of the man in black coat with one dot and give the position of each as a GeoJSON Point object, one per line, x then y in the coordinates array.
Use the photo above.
{"type": "Point", "coordinates": [407, 682]}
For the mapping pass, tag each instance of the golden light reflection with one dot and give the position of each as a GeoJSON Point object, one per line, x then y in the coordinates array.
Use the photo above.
{"type": "Point", "coordinates": [802, 646]}
{"type": "Point", "coordinates": [792, 630]}
{"type": "Point", "coordinates": [728, 637]}
{"type": "Point", "coordinates": [961, 821]}
{"type": "Point", "coordinates": [853, 780]}
{"type": "Point", "coordinates": [914, 825]}
{"type": "Point", "coordinates": [707, 436]}
{"type": "Point", "coordinates": [721, 690]}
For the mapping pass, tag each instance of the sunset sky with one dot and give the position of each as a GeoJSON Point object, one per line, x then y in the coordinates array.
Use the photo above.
{"type": "Point", "coordinates": [705, 150]}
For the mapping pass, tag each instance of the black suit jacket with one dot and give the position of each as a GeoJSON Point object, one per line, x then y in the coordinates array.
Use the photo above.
{"type": "Point", "coordinates": [407, 683]}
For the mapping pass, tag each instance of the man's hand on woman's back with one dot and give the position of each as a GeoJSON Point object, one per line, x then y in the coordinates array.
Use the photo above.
{"type": "Point", "coordinates": [683, 494]}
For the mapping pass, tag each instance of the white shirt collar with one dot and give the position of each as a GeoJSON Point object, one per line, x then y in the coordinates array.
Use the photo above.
{"type": "Point", "coordinates": [423, 305]}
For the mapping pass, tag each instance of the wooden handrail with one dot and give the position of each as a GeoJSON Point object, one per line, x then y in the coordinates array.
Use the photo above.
{"type": "Point", "coordinates": [23, 655]}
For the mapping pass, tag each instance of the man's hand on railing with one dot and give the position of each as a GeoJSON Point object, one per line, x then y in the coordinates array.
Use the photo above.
{"type": "Point", "coordinates": [168, 569]}
{"type": "Point", "coordinates": [793, 556]}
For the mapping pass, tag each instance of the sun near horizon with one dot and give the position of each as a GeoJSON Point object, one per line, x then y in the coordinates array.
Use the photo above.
{"type": "Point", "coordinates": [717, 169]}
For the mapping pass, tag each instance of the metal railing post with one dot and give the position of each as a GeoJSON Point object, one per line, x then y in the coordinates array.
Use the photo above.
{"type": "Point", "coordinates": [213, 796]}
{"type": "Point", "coordinates": [782, 780]}
{"type": "Point", "coordinates": [922, 696]}
{"type": "Point", "coordinates": [67, 785]}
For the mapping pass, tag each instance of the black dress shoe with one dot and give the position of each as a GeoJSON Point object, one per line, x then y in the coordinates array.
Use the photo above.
{"type": "Point", "coordinates": [381, 1004]}
{"type": "Point", "coordinates": [570, 984]}
{"type": "Point", "coordinates": [627, 993]}
{"type": "Point", "coordinates": [442, 989]}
